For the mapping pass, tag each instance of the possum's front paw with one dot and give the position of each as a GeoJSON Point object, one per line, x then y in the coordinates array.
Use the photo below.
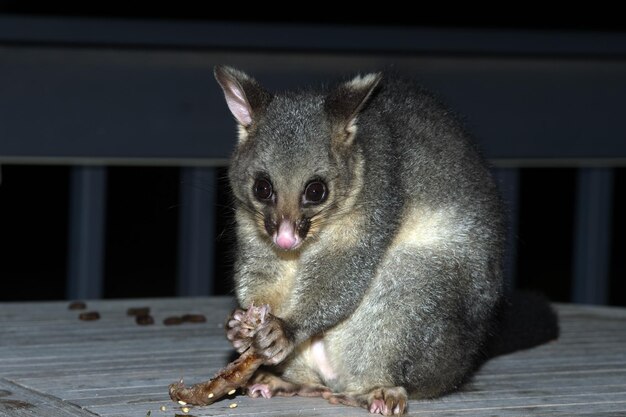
{"type": "Point", "coordinates": [273, 340]}
{"type": "Point", "coordinates": [242, 325]}
{"type": "Point", "coordinates": [257, 328]}
{"type": "Point", "coordinates": [238, 331]}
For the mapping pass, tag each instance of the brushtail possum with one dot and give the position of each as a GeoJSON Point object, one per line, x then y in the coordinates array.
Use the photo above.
{"type": "Point", "coordinates": [372, 228]}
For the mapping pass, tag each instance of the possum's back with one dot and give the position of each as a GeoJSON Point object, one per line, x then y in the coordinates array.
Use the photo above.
{"type": "Point", "coordinates": [409, 131]}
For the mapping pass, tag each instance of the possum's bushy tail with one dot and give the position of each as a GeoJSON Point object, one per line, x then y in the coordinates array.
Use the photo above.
{"type": "Point", "coordinates": [525, 320]}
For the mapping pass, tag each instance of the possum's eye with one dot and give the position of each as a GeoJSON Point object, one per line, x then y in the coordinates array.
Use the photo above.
{"type": "Point", "coordinates": [263, 189]}
{"type": "Point", "coordinates": [315, 192]}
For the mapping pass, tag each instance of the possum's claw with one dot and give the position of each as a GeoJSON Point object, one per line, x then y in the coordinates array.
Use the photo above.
{"type": "Point", "coordinates": [242, 326]}
{"type": "Point", "coordinates": [272, 340]}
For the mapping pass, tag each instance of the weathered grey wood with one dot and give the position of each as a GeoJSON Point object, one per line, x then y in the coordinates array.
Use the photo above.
{"type": "Point", "coordinates": [18, 401]}
{"type": "Point", "coordinates": [114, 368]}
{"type": "Point", "coordinates": [301, 36]}
{"type": "Point", "coordinates": [156, 106]}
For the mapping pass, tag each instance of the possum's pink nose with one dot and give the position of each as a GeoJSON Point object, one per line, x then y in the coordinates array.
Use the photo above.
{"type": "Point", "coordinates": [286, 237]}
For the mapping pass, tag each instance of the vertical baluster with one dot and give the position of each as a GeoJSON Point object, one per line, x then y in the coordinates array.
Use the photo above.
{"type": "Point", "coordinates": [86, 234]}
{"type": "Point", "coordinates": [508, 181]}
{"type": "Point", "coordinates": [592, 236]}
{"type": "Point", "coordinates": [196, 231]}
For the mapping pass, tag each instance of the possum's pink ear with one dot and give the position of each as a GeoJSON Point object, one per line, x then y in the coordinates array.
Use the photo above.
{"type": "Point", "coordinates": [344, 103]}
{"type": "Point", "coordinates": [246, 99]}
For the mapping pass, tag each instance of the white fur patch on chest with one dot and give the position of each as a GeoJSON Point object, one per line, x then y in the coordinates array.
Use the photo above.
{"type": "Point", "coordinates": [278, 293]}
{"type": "Point", "coordinates": [317, 359]}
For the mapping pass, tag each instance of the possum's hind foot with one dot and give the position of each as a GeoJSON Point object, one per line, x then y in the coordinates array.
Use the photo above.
{"type": "Point", "coordinates": [268, 385]}
{"type": "Point", "coordinates": [387, 401]}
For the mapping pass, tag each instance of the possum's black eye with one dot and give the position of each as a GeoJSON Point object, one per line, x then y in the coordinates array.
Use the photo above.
{"type": "Point", "coordinates": [263, 189]}
{"type": "Point", "coordinates": [315, 192]}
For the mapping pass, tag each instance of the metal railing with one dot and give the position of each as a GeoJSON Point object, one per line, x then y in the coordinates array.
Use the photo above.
{"type": "Point", "coordinates": [92, 94]}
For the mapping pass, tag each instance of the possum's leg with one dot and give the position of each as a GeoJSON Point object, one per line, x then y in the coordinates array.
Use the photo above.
{"type": "Point", "coordinates": [386, 401]}
{"type": "Point", "coordinates": [418, 330]}
{"type": "Point", "coordinates": [266, 384]}
{"type": "Point", "coordinates": [295, 376]}
{"type": "Point", "coordinates": [261, 337]}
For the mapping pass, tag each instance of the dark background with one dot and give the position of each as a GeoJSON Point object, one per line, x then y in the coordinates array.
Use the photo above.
{"type": "Point", "coordinates": [143, 202]}
{"type": "Point", "coordinates": [585, 18]}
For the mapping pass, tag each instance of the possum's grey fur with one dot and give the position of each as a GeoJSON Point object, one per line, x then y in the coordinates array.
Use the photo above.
{"type": "Point", "coordinates": [399, 272]}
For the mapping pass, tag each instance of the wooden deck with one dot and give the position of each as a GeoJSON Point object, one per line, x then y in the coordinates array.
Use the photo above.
{"type": "Point", "coordinates": [52, 364]}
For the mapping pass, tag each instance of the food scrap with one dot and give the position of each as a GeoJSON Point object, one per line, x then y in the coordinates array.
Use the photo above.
{"type": "Point", "coordinates": [235, 375]}
{"type": "Point", "coordinates": [173, 320]}
{"type": "Point", "coordinates": [89, 316]}
{"type": "Point", "coordinates": [194, 318]}
{"type": "Point", "coordinates": [144, 319]}
{"type": "Point", "coordinates": [186, 318]}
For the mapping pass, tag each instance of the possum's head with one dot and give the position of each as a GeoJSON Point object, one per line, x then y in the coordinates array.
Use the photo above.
{"type": "Point", "coordinates": [297, 165]}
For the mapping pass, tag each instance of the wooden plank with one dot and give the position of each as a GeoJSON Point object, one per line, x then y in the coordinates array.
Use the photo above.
{"type": "Point", "coordinates": [304, 36]}
{"type": "Point", "coordinates": [17, 401]}
{"type": "Point", "coordinates": [113, 367]}
{"type": "Point", "coordinates": [142, 105]}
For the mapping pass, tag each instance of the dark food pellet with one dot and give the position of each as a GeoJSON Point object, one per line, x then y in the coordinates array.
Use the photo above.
{"type": "Point", "coordinates": [77, 305]}
{"type": "Point", "coordinates": [144, 319]}
{"type": "Point", "coordinates": [138, 311]}
{"type": "Point", "coordinates": [89, 316]}
{"type": "Point", "coordinates": [169, 321]}
{"type": "Point", "coordinates": [194, 318]}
